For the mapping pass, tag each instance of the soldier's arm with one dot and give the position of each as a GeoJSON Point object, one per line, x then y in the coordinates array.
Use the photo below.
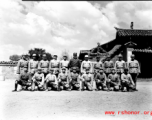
{"type": "Point", "coordinates": [42, 79]}
{"type": "Point", "coordinates": [39, 65]}
{"type": "Point", "coordinates": [138, 67]}
{"type": "Point", "coordinates": [29, 66]}
{"type": "Point", "coordinates": [115, 66]}
{"type": "Point", "coordinates": [131, 79]}
{"type": "Point", "coordinates": [59, 77]}
{"type": "Point", "coordinates": [18, 67]}
{"type": "Point", "coordinates": [56, 81]}
{"type": "Point", "coordinates": [123, 78]}
{"type": "Point", "coordinates": [69, 64]}
{"type": "Point", "coordinates": [82, 66]}
{"type": "Point", "coordinates": [105, 78]}
{"type": "Point", "coordinates": [46, 78]}
{"type": "Point", "coordinates": [50, 64]}
{"type": "Point", "coordinates": [118, 80]}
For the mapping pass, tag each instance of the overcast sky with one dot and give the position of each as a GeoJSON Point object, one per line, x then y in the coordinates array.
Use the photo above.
{"type": "Point", "coordinates": [72, 26]}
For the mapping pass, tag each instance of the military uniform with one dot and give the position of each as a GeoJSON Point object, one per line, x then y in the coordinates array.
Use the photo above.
{"type": "Point", "coordinates": [63, 81]}
{"type": "Point", "coordinates": [120, 66]}
{"type": "Point", "coordinates": [74, 80]}
{"type": "Point", "coordinates": [113, 81]}
{"type": "Point", "coordinates": [134, 69]}
{"type": "Point", "coordinates": [33, 66]}
{"type": "Point", "coordinates": [87, 82]}
{"type": "Point", "coordinates": [126, 81]}
{"type": "Point", "coordinates": [54, 64]}
{"type": "Point", "coordinates": [100, 80]}
{"type": "Point", "coordinates": [38, 80]}
{"type": "Point", "coordinates": [86, 65]}
{"type": "Point", "coordinates": [74, 63]}
{"type": "Point", "coordinates": [21, 66]}
{"type": "Point", "coordinates": [108, 65]}
{"type": "Point", "coordinates": [51, 81]}
{"type": "Point", "coordinates": [64, 63]}
{"type": "Point", "coordinates": [44, 66]}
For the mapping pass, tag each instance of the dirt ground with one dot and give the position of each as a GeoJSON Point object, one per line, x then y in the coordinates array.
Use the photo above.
{"type": "Point", "coordinates": [73, 105]}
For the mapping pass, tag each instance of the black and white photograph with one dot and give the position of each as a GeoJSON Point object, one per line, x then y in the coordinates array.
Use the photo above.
{"type": "Point", "coordinates": [75, 60]}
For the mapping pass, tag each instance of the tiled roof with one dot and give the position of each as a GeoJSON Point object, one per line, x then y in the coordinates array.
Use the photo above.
{"type": "Point", "coordinates": [133, 32]}
{"type": "Point", "coordinates": [143, 50]}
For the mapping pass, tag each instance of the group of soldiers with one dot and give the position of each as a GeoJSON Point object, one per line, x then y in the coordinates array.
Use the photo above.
{"type": "Point", "coordinates": [70, 75]}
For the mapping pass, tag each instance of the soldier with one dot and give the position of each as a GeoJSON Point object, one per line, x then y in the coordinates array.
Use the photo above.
{"type": "Point", "coordinates": [55, 65]}
{"type": "Point", "coordinates": [22, 65]}
{"type": "Point", "coordinates": [64, 63]}
{"type": "Point", "coordinates": [63, 80]}
{"type": "Point", "coordinates": [113, 81]}
{"type": "Point", "coordinates": [74, 80]}
{"type": "Point", "coordinates": [120, 65]}
{"type": "Point", "coordinates": [51, 81]}
{"type": "Point", "coordinates": [126, 81]}
{"type": "Point", "coordinates": [86, 64]}
{"type": "Point", "coordinates": [38, 80]}
{"type": "Point", "coordinates": [108, 65]}
{"type": "Point", "coordinates": [33, 65]}
{"type": "Point", "coordinates": [87, 81]}
{"type": "Point", "coordinates": [44, 65]}
{"type": "Point", "coordinates": [97, 65]}
{"type": "Point", "coordinates": [100, 80]}
{"type": "Point", "coordinates": [74, 63]}
{"type": "Point", "coordinates": [24, 80]}
{"type": "Point", "coordinates": [134, 68]}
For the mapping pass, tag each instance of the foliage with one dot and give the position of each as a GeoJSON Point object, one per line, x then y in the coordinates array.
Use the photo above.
{"type": "Point", "coordinates": [15, 57]}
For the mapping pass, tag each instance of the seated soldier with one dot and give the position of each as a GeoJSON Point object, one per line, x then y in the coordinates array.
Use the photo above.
{"type": "Point", "coordinates": [126, 81]}
{"type": "Point", "coordinates": [63, 81]}
{"type": "Point", "coordinates": [24, 80]}
{"type": "Point", "coordinates": [74, 80]}
{"type": "Point", "coordinates": [51, 81]}
{"type": "Point", "coordinates": [100, 80]}
{"type": "Point", "coordinates": [113, 81]}
{"type": "Point", "coordinates": [38, 80]}
{"type": "Point", "coordinates": [87, 81]}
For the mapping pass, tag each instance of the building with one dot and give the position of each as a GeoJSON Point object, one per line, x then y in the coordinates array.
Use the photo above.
{"type": "Point", "coordinates": [128, 41]}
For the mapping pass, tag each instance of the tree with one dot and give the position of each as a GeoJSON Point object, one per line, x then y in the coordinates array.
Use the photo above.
{"type": "Point", "coordinates": [15, 57]}
{"type": "Point", "coordinates": [65, 52]}
{"type": "Point", "coordinates": [39, 53]}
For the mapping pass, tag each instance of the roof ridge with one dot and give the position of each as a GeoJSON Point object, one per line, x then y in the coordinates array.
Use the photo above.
{"type": "Point", "coordinates": [132, 29]}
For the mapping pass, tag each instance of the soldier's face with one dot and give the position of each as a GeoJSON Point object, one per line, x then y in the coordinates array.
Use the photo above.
{"type": "Point", "coordinates": [51, 71]}
{"type": "Point", "coordinates": [74, 71]}
{"type": "Point", "coordinates": [75, 56]}
{"type": "Point", "coordinates": [98, 59]}
{"type": "Point", "coordinates": [113, 71]}
{"type": "Point", "coordinates": [64, 57]}
{"type": "Point", "coordinates": [39, 71]}
{"type": "Point", "coordinates": [132, 58]}
{"type": "Point", "coordinates": [86, 58]}
{"type": "Point", "coordinates": [34, 57]}
{"type": "Point", "coordinates": [55, 58]}
{"type": "Point", "coordinates": [44, 57]}
{"type": "Point", "coordinates": [63, 70]}
{"type": "Point", "coordinates": [87, 71]}
{"type": "Point", "coordinates": [101, 71]}
{"type": "Point", "coordinates": [120, 58]}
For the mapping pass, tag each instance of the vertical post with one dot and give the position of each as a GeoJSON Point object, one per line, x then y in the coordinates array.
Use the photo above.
{"type": "Point", "coordinates": [129, 52]}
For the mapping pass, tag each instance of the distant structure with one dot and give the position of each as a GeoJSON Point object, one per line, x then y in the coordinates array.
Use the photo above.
{"type": "Point", "coordinates": [128, 41]}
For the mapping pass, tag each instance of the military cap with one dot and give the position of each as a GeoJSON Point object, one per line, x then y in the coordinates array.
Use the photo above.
{"type": "Point", "coordinates": [101, 68]}
{"type": "Point", "coordinates": [126, 69]}
{"type": "Point", "coordinates": [44, 55]}
{"type": "Point", "coordinates": [55, 55]}
{"type": "Point", "coordinates": [51, 69]}
{"type": "Point", "coordinates": [74, 54]}
{"type": "Point", "coordinates": [86, 56]}
{"type": "Point", "coordinates": [119, 55]}
{"type": "Point", "coordinates": [63, 68]}
{"type": "Point", "coordinates": [34, 55]}
{"type": "Point", "coordinates": [132, 55]}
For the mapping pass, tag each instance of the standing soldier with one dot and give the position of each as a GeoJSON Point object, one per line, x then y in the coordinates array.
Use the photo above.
{"type": "Point", "coordinates": [134, 68]}
{"type": "Point", "coordinates": [64, 63]}
{"type": "Point", "coordinates": [33, 65]}
{"type": "Point", "coordinates": [44, 65]}
{"type": "Point", "coordinates": [120, 65]}
{"type": "Point", "coordinates": [55, 65]}
{"type": "Point", "coordinates": [113, 81]}
{"type": "Point", "coordinates": [97, 65]}
{"type": "Point", "coordinates": [86, 64]}
{"type": "Point", "coordinates": [74, 63]}
{"type": "Point", "coordinates": [22, 65]}
{"type": "Point", "coordinates": [108, 65]}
